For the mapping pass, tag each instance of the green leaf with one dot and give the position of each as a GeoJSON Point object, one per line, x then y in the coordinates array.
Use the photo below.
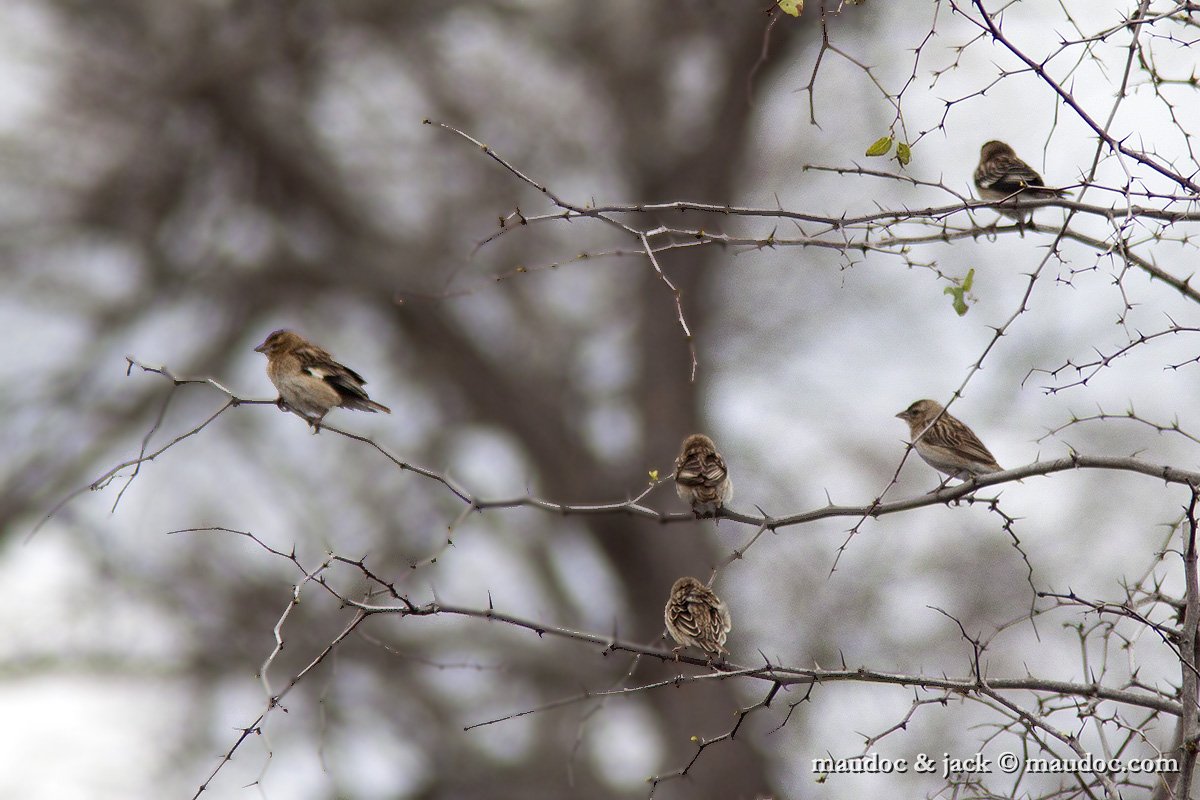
{"type": "Point", "coordinates": [958, 293]}
{"type": "Point", "coordinates": [791, 7]}
{"type": "Point", "coordinates": [881, 147]}
{"type": "Point", "coordinates": [960, 305]}
{"type": "Point", "coordinates": [903, 154]}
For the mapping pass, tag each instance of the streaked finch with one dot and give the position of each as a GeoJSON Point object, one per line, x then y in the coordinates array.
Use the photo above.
{"type": "Point", "coordinates": [310, 381]}
{"type": "Point", "coordinates": [1001, 175]}
{"type": "Point", "coordinates": [945, 443]}
{"type": "Point", "coordinates": [701, 479]}
{"type": "Point", "coordinates": [696, 617]}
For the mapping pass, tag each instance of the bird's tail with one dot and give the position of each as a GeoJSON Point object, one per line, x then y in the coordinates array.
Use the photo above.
{"type": "Point", "coordinates": [1040, 192]}
{"type": "Point", "coordinates": [363, 404]}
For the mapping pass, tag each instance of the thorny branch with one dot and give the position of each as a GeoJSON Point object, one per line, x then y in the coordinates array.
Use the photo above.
{"type": "Point", "coordinates": [864, 232]}
{"type": "Point", "coordinates": [777, 675]}
{"type": "Point", "coordinates": [987, 22]}
{"type": "Point", "coordinates": [1189, 696]}
{"type": "Point", "coordinates": [597, 214]}
{"type": "Point", "coordinates": [702, 744]}
{"type": "Point", "coordinates": [634, 506]}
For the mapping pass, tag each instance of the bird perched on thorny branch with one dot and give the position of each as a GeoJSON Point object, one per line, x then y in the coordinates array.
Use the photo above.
{"type": "Point", "coordinates": [310, 381]}
{"type": "Point", "coordinates": [945, 443]}
{"type": "Point", "coordinates": [701, 479]}
{"type": "Point", "coordinates": [696, 617]}
{"type": "Point", "coordinates": [1002, 176]}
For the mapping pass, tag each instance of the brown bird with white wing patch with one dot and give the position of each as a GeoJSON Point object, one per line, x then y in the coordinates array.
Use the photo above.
{"type": "Point", "coordinates": [310, 381]}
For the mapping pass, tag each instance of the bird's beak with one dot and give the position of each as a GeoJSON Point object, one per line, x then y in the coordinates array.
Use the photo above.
{"type": "Point", "coordinates": [900, 415]}
{"type": "Point", "coordinates": [262, 348]}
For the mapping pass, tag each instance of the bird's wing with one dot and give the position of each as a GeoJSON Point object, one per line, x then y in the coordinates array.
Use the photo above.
{"type": "Point", "coordinates": [701, 469]}
{"type": "Point", "coordinates": [320, 364]}
{"type": "Point", "coordinates": [953, 435]}
{"type": "Point", "coordinates": [1007, 174]}
{"type": "Point", "coordinates": [685, 617]}
{"type": "Point", "coordinates": [713, 616]}
{"type": "Point", "coordinates": [723, 617]}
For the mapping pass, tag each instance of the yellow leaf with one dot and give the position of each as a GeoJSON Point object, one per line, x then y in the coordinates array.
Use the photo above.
{"type": "Point", "coordinates": [653, 474]}
{"type": "Point", "coordinates": [792, 7]}
{"type": "Point", "coordinates": [903, 154]}
{"type": "Point", "coordinates": [881, 146]}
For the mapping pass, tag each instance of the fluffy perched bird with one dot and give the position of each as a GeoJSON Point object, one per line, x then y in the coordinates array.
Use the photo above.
{"type": "Point", "coordinates": [947, 445]}
{"type": "Point", "coordinates": [696, 617]}
{"type": "Point", "coordinates": [310, 381]}
{"type": "Point", "coordinates": [701, 479]}
{"type": "Point", "coordinates": [1001, 175]}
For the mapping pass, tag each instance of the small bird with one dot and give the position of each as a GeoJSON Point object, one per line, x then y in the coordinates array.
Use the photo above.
{"type": "Point", "coordinates": [1001, 175]}
{"type": "Point", "coordinates": [947, 445]}
{"type": "Point", "coordinates": [310, 381]}
{"type": "Point", "coordinates": [696, 617]}
{"type": "Point", "coordinates": [701, 479]}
